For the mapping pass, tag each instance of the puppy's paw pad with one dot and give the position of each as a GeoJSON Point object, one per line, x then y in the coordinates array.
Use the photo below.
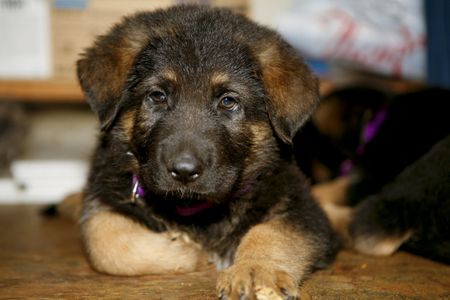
{"type": "Point", "coordinates": [255, 281]}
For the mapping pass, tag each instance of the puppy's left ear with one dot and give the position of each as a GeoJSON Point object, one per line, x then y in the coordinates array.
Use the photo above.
{"type": "Point", "coordinates": [291, 88]}
{"type": "Point", "coordinates": [103, 68]}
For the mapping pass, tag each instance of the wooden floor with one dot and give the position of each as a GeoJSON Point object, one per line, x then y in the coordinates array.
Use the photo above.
{"type": "Point", "coordinates": [42, 259]}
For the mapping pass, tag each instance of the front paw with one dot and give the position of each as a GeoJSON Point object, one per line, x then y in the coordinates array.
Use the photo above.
{"type": "Point", "coordinates": [253, 280]}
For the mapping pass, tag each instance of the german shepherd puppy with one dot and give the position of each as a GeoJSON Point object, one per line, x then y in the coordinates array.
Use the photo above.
{"type": "Point", "coordinates": [198, 108]}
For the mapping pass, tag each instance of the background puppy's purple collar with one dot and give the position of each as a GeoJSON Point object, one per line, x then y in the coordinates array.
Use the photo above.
{"type": "Point", "coordinates": [371, 129]}
{"type": "Point", "coordinates": [368, 133]}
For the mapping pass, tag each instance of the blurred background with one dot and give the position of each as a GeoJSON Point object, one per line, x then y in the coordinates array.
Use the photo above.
{"type": "Point", "coordinates": [47, 131]}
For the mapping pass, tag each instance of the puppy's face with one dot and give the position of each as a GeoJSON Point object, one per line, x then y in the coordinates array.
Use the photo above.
{"type": "Point", "coordinates": [200, 96]}
{"type": "Point", "coordinates": [195, 102]}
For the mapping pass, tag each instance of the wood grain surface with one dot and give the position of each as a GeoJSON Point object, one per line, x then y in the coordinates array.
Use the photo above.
{"type": "Point", "coordinates": [42, 258]}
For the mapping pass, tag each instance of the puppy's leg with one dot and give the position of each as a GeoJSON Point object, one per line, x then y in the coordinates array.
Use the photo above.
{"type": "Point", "coordinates": [118, 245]}
{"type": "Point", "coordinates": [270, 262]}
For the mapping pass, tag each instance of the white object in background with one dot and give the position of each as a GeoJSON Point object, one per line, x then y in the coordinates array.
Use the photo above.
{"type": "Point", "coordinates": [24, 39]}
{"type": "Point", "coordinates": [387, 37]}
{"type": "Point", "coordinates": [43, 181]}
{"type": "Point", "coordinates": [266, 12]}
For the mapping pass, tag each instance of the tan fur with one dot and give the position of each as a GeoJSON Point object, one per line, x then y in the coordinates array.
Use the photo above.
{"type": "Point", "coordinates": [271, 257]}
{"type": "Point", "coordinates": [127, 124]}
{"type": "Point", "coordinates": [340, 218]}
{"type": "Point", "coordinates": [331, 197]}
{"type": "Point", "coordinates": [219, 78]}
{"type": "Point", "coordinates": [118, 245]}
{"type": "Point", "coordinates": [262, 140]}
{"type": "Point", "coordinates": [332, 192]}
{"type": "Point", "coordinates": [262, 147]}
{"type": "Point", "coordinates": [261, 132]}
{"type": "Point", "coordinates": [170, 75]}
{"type": "Point", "coordinates": [71, 206]}
{"type": "Point", "coordinates": [380, 245]}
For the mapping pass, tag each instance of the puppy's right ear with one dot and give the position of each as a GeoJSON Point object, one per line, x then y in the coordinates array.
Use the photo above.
{"type": "Point", "coordinates": [292, 90]}
{"type": "Point", "coordinates": [103, 68]}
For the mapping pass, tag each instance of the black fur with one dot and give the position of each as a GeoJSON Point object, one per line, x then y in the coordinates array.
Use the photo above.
{"type": "Point", "coordinates": [417, 200]}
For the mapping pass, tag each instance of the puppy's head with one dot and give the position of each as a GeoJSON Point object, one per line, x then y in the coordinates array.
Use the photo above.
{"type": "Point", "coordinates": [201, 97]}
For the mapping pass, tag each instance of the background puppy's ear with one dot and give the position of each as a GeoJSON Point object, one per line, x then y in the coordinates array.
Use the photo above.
{"type": "Point", "coordinates": [103, 68]}
{"type": "Point", "coordinates": [291, 88]}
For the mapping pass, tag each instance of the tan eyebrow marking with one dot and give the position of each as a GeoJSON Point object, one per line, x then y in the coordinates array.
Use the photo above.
{"type": "Point", "coordinates": [219, 78]}
{"type": "Point", "coordinates": [170, 75]}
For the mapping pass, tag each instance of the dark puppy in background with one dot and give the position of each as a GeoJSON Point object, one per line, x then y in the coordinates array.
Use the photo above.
{"type": "Point", "coordinates": [198, 108]}
{"type": "Point", "coordinates": [376, 152]}
{"type": "Point", "coordinates": [410, 212]}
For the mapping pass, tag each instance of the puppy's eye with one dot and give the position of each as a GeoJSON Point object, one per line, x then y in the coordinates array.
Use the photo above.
{"type": "Point", "coordinates": [158, 97]}
{"type": "Point", "coordinates": [228, 103]}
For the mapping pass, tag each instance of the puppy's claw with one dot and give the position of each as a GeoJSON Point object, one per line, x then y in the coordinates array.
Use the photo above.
{"type": "Point", "coordinates": [251, 281]}
{"type": "Point", "coordinates": [222, 296]}
{"type": "Point", "coordinates": [289, 295]}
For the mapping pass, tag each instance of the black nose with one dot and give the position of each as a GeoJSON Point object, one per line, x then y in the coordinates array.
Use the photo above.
{"type": "Point", "coordinates": [186, 167]}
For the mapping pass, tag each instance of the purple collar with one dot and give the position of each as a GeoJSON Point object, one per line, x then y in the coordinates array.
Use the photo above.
{"type": "Point", "coordinates": [138, 192]}
{"type": "Point", "coordinates": [369, 131]}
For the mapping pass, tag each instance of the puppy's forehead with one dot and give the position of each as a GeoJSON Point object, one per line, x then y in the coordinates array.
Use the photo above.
{"type": "Point", "coordinates": [191, 53]}
{"type": "Point", "coordinates": [190, 70]}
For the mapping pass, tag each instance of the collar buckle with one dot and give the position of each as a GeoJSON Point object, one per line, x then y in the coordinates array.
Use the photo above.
{"type": "Point", "coordinates": [137, 192]}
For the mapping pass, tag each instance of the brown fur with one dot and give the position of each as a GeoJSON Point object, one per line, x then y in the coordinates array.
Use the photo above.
{"type": "Point", "coordinates": [111, 65]}
{"type": "Point", "coordinates": [285, 79]}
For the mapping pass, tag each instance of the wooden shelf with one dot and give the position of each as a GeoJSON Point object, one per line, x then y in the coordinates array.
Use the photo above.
{"type": "Point", "coordinates": [40, 91]}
